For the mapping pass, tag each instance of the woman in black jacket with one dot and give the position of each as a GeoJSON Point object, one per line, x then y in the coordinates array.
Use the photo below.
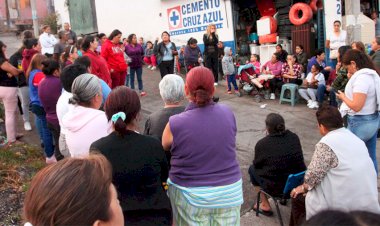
{"type": "Point", "coordinates": [138, 162]}
{"type": "Point", "coordinates": [165, 52]}
{"type": "Point", "coordinates": [276, 156]}
{"type": "Point", "coordinates": [210, 40]}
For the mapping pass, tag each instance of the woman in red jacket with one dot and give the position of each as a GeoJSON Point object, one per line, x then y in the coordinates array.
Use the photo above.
{"type": "Point", "coordinates": [98, 64]}
{"type": "Point", "coordinates": [114, 56]}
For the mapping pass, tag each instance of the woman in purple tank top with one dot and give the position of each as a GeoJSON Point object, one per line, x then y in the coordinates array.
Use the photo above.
{"type": "Point", "coordinates": [205, 177]}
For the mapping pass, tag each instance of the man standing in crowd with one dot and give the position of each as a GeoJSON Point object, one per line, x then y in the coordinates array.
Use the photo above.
{"type": "Point", "coordinates": [71, 35]}
{"type": "Point", "coordinates": [59, 48]}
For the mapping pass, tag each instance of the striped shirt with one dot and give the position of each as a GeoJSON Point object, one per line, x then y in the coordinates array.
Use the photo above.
{"type": "Point", "coordinates": [213, 197]}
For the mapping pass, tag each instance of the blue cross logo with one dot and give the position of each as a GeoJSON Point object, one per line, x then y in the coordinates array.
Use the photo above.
{"type": "Point", "coordinates": [174, 18]}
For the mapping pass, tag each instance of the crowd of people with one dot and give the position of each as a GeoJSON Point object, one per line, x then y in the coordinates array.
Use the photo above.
{"type": "Point", "coordinates": [177, 172]}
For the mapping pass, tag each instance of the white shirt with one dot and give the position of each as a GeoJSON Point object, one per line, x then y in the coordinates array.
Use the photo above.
{"type": "Point", "coordinates": [352, 185]}
{"type": "Point", "coordinates": [47, 42]}
{"type": "Point", "coordinates": [63, 107]}
{"type": "Point", "coordinates": [319, 77]}
{"type": "Point", "coordinates": [338, 41]}
{"type": "Point", "coordinates": [363, 82]}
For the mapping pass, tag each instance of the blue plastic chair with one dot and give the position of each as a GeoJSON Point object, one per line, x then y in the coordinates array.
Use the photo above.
{"type": "Point", "coordinates": [293, 181]}
{"type": "Point", "coordinates": [293, 88]}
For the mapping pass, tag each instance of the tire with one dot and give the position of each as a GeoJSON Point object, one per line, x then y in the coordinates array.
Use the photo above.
{"type": "Point", "coordinates": [315, 5]}
{"type": "Point", "coordinates": [271, 38]}
{"type": "Point", "coordinates": [307, 14]}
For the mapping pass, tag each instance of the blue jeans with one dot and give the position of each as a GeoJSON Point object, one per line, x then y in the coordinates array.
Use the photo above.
{"type": "Point", "coordinates": [365, 127]}
{"type": "Point", "coordinates": [321, 93]}
{"type": "Point", "coordinates": [232, 79]}
{"type": "Point", "coordinates": [127, 80]}
{"type": "Point", "coordinates": [46, 135]}
{"type": "Point", "coordinates": [332, 96]}
{"type": "Point", "coordinates": [138, 72]}
{"type": "Point", "coordinates": [39, 128]}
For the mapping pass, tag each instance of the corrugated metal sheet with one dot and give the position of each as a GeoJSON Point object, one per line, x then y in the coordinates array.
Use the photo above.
{"type": "Point", "coordinates": [304, 35]}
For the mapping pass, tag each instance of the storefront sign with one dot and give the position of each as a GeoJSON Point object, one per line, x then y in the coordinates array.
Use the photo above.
{"type": "Point", "coordinates": [195, 16]}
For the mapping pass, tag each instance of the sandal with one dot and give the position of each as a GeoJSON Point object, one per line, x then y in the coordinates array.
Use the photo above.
{"type": "Point", "coordinates": [267, 213]}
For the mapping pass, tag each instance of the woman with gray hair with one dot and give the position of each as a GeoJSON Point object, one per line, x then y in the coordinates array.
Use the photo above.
{"type": "Point", "coordinates": [172, 91]}
{"type": "Point", "coordinates": [84, 122]}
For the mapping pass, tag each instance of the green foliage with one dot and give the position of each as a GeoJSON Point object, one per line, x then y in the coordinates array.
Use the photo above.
{"type": "Point", "coordinates": [52, 21]}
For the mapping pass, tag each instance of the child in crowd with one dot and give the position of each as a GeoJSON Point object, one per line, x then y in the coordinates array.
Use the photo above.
{"type": "Point", "coordinates": [69, 55]}
{"type": "Point", "coordinates": [149, 57]}
{"type": "Point", "coordinates": [308, 90]}
{"type": "Point", "coordinates": [258, 79]}
{"type": "Point", "coordinates": [229, 69]}
{"type": "Point", "coordinates": [255, 60]}
{"type": "Point", "coordinates": [127, 61]}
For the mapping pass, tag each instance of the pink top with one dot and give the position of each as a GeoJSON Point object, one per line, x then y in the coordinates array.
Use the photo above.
{"type": "Point", "coordinates": [257, 67]}
{"type": "Point", "coordinates": [274, 68]}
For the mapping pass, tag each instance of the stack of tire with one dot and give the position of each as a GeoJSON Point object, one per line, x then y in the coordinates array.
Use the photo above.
{"type": "Point", "coordinates": [272, 37]}
{"type": "Point", "coordinates": [301, 13]}
{"type": "Point", "coordinates": [283, 22]}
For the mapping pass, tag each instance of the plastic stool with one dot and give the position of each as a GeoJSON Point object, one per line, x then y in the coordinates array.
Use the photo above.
{"type": "Point", "coordinates": [293, 93]}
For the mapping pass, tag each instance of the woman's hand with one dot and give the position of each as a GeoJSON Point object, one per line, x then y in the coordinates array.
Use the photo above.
{"type": "Point", "coordinates": [340, 95]}
{"type": "Point", "coordinates": [338, 66]}
{"type": "Point", "coordinates": [297, 191]}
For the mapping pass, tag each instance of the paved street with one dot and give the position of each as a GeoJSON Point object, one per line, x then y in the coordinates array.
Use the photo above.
{"type": "Point", "coordinates": [250, 123]}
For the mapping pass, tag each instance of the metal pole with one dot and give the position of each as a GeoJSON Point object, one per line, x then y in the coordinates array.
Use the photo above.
{"type": "Point", "coordinates": [34, 17]}
{"type": "Point", "coordinates": [7, 14]}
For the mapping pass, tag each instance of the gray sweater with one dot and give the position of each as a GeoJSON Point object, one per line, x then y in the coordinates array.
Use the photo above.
{"type": "Point", "coordinates": [227, 62]}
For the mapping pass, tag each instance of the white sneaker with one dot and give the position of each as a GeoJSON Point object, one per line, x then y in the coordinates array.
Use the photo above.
{"type": "Point", "coordinates": [309, 102]}
{"type": "Point", "coordinates": [153, 68]}
{"type": "Point", "coordinates": [272, 96]}
{"type": "Point", "coordinates": [51, 160]}
{"type": "Point", "coordinates": [149, 66]}
{"type": "Point", "coordinates": [215, 84]}
{"type": "Point", "coordinates": [27, 126]}
{"type": "Point", "coordinates": [313, 105]}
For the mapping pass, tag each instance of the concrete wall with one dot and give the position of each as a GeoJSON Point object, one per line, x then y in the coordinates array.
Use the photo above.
{"type": "Point", "coordinates": [62, 10]}
{"type": "Point", "coordinates": [149, 18]}
{"type": "Point", "coordinates": [143, 18]}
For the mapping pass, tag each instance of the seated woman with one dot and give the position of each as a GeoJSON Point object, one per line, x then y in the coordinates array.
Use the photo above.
{"type": "Point", "coordinates": [276, 156]}
{"type": "Point", "coordinates": [282, 53]}
{"type": "Point", "coordinates": [340, 175]}
{"type": "Point", "coordinates": [205, 184]}
{"type": "Point", "coordinates": [89, 197]}
{"type": "Point", "coordinates": [138, 161]}
{"type": "Point", "coordinates": [291, 71]}
{"type": "Point", "coordinates": [192, 54]}
{"type": "Point", "coordinates": [84, 123]}
{"type": "Point", "coordinates": [308, 90]}
{"type": "Point", "coordinates": [273, 67]}
{"type": "Point", "coordinates": [341, 79]}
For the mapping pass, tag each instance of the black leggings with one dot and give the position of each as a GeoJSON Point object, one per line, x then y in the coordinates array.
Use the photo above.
{"type": "Point", "coordinates": [212, 63]}
{"type": "Point", "coordinates": [274, 84]}
{"type": "Point", "coordinates": [166, 67]}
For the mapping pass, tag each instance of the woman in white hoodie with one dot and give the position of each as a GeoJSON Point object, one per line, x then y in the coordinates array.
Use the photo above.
{"type": "Point", "coordinates": [84, 122]}
{"type": "Point", "coordinates": [361, 99]}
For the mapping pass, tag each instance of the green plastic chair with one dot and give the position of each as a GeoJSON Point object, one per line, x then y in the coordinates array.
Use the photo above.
{"type": "Point", "coordinates": [293, 88]}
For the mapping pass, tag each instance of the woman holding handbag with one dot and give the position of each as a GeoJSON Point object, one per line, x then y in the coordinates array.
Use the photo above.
{"type": "Point", "coordinates": [336, 40]}
{"type": "Point", "coordinates": [165, 52]}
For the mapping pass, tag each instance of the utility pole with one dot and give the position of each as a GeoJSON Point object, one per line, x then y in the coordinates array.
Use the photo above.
{"type": "Point", "coordinates": [353, 30]}
{"type": "Point", "coordinates": [7, 14]}
{"type": "Point", "coordinates": [35, 18]}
